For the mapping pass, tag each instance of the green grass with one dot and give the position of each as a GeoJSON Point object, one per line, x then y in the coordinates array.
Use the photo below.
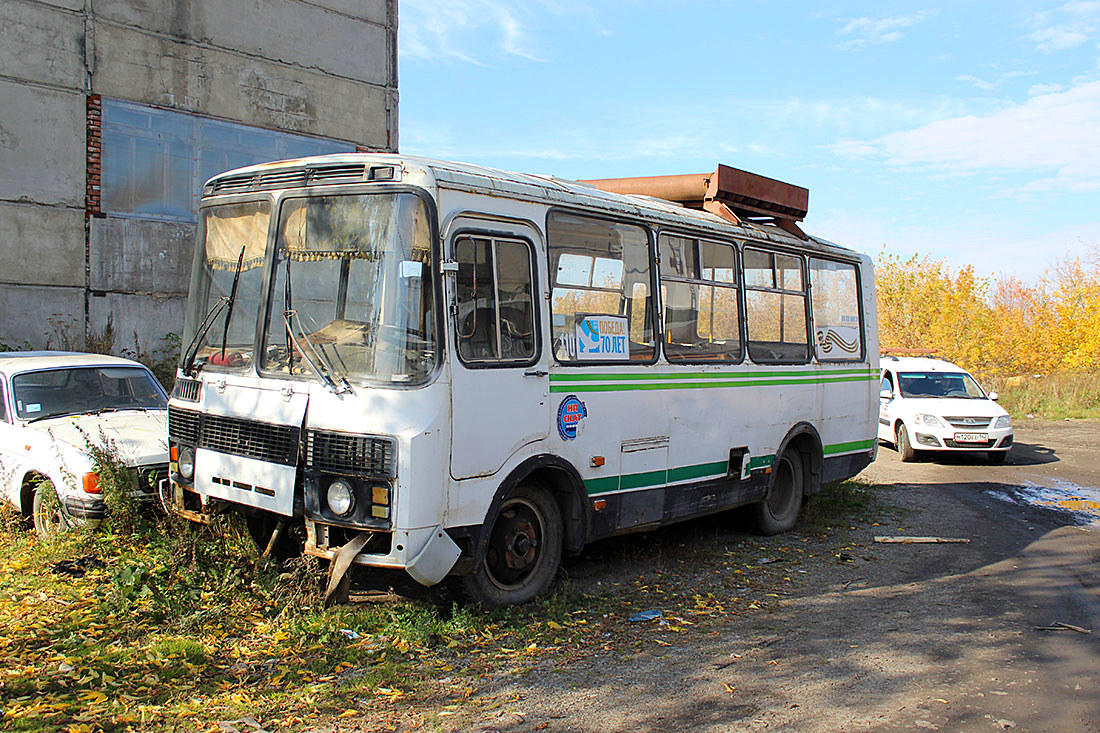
{"type": "Point", "coordinates": [174, 627]}
{"type": "Point", "coordinates": [1051, 397]}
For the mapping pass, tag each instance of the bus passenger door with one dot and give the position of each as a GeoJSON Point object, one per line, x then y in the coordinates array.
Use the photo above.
{"type": "Point", "coordinates": [499, 377]}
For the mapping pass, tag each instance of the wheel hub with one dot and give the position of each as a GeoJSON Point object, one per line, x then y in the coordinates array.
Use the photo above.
{"type": "Point", "coordinates": [520, 544]}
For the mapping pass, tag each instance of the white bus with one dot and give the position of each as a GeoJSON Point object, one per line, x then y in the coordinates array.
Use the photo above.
{"type": "Point", "coordinates": [397, 362]}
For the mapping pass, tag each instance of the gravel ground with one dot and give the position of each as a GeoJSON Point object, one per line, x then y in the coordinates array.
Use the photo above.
{"type": "Point", "coordinates": [860, 635]}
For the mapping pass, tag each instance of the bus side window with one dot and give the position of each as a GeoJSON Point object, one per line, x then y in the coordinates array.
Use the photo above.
{"type": "Point", "coordinates": [834, 302]}
{"type": "Point", "coordinates": [601, 302]}
{"type": "Point", "coordinates": [775, 305]}
{"type": "Point", "coordinates": [494, 307]}
{"type": "Point", "coordinates": [699, 292]}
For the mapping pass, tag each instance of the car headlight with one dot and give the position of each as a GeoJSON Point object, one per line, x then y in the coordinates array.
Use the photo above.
{"type": "Point", "coordinates": [1004, 421]}
{"type": "Point", "coordinates": [929, 420]}
{"type": "Point", "coordinates": [186, 463]}
{"type": "Point", "coordinates": [341, 498]}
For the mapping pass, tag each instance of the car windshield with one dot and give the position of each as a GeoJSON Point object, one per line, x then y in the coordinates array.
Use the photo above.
{"type": "Point", "coordinates": [80, 390]}
{"type": "Point", "coordinates": [352, 289]}
{"type": "Point", "coordinates": [940, 385]}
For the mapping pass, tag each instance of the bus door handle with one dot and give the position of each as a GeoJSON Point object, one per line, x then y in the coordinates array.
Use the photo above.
{"type": "Point", "coordinates": [536, 373]}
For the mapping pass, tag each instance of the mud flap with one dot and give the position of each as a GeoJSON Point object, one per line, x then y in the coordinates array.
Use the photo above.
{"type": "Point", "coordinates": [435, 559]}
{"type": "Point", "coordinates": [345, 556]}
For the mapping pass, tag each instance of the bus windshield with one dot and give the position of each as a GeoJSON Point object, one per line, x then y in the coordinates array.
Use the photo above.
{"type": "Point", "coordinates": [224, 301]}
{"type": "Point", "coordinates": [352, 289]}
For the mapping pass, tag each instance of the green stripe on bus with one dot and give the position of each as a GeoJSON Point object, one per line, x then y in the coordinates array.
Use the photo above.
{"type": "Point", "coordinates": [606, 484]}
{"type": "Point", "coordinates": [848, 447]}
{"type": "Point", "coordinates": [683, 473]}
{"type": "Point", "coordinates": [761, 462]}
{"type": "Point", "coordinates": [640, 480]}
{"type": "Point", "coordinates": [601, 485]}
{"type": "Point", "coordinates": [621, 376]}
{"type": "Point", "coordinates": [700, 385]}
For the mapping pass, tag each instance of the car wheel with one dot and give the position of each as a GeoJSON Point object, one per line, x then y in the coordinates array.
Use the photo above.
{"type": "Point", "coordinates": [905, 448]}
{"type": "Point", "coordinates": [779, 510]}
{"type": "Point", "coordinates": [49, 517]}
{"type": "Point", "coordinates": [997, 457]}
{"type": "Point", "coordinates": [524, 551]}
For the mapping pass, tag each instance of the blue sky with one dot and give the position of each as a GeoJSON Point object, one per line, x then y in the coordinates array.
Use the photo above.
{"type": "Point", "coordinates": [969, 132]}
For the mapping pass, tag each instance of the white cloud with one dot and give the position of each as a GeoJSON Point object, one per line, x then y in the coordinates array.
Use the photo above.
{"type": "Point", "coordinates": [980, 83]}
{"type": "Point", "coordinates": [874, 31]}
{"type": "Point", "coordinates": [1065, 27]}
{"type": "Point", "coordinates": [1044, 89]}
{"type": "Point", "coordinates": [1053, 136]}
{"type": "Point", "coordinates": [465, 30]}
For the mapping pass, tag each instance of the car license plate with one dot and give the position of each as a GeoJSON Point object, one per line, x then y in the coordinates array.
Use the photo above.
{"type": "Point", "coordinates": [971, 437]}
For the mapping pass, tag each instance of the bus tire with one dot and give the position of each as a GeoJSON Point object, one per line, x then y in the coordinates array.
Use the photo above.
{"type": "Point", "coordinates": [905, 448]}
{"type": "Point", "coordinates": [523, 553]}
{"type": "Point", "coordinates": [779, 509]}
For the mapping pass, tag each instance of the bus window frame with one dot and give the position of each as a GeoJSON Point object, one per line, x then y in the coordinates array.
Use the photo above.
{"type": "Point", "coordinates": [654, 311]}
{"type": "Point", "coordinates": [802, 257]}
{"type": "Point", "coordinates": [858, 265]}
{"type": "Point", "coordinates": [493, 235]}
{"type": "Point", "coordinates": [282, 195]}
{"type": "Point", "coordinates": [739, 286]}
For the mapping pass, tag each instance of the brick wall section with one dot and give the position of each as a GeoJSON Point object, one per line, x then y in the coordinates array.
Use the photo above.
{"type": "Point", "coordinates": [95, 146]}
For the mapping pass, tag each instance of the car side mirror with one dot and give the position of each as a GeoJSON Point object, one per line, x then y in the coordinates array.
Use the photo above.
{"type": "Point", "coordinates": [993, 396]}
{"type": "Point", "coordinates": [886, 394]}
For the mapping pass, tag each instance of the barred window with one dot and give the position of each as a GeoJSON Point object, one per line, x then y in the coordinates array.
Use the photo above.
{"type": "Point", "coordinates": [156, 160]}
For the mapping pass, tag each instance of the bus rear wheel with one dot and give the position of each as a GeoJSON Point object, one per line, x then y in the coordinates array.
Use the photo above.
{"type": "Point", "coordinates": [779, 510]}
{"type": "Point", "coordinates": [524, 551]}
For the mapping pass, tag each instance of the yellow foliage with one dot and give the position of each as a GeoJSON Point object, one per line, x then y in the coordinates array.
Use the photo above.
{"type": "Point", "coordinates": [993, 327]}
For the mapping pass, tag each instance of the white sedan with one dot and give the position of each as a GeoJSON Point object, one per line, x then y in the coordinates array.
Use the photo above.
{"type": "Point", "coordinates": [934, 405]}
{"type": "Point", "coordinates": [52, 406]}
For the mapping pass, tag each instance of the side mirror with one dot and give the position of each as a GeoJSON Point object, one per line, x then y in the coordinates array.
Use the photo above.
{"type": "Point", "coordinates": [886, 394]}
{"type": "Point", "coordinates": [993, 396]}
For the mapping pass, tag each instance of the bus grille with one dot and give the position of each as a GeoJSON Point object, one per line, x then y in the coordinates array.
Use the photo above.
{"type": "Point", "coordinates": [342, 453]}
{"type": "Point", "coordinates": [183, 425]}
{"type": "Point", "coordinates": [287, 178]}
{"type": "Point", "coordinates": [187, 390]}
{"type": "Point", "coordinates": [236, 436]}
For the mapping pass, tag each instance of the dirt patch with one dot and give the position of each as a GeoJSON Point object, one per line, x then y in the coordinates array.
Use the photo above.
{"type": "Point", "coordinates": [826, 630]}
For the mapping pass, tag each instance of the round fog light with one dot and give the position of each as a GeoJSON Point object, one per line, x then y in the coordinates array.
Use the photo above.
{"type": "Point", "coordinates": [186, 463]}
{"type": "Point", "coordinates": [341, 500]}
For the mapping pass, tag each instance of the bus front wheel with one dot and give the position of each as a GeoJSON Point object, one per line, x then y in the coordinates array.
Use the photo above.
{"type": "Point", "coordinates": [524, 552]}
{"type": "Point", "coordinates": [779, 510]}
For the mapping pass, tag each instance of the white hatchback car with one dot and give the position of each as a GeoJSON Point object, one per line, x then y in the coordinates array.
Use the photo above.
{"type": "Point", "coordinates": [934, 405]}
{"type": "Point", "coordinates": [52, 404]}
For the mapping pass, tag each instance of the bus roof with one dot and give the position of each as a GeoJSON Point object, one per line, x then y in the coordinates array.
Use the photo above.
{"type": "Point", "coordinates": [346, 168]}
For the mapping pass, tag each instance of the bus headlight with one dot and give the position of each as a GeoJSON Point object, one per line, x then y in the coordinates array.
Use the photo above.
{"type": "Point", "coordinates": [340, 497]}
{"type": "Point", "coordinates": [186, 463]}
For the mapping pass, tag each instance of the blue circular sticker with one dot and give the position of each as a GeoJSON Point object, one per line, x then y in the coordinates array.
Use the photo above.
{"type": "Point", "coordinates": [570, 413]}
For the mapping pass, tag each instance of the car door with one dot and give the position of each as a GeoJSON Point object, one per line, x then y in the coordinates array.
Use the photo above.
{"type": "Point", "coordinates": [11, 449]}
{"type": "Point", "coordinates": [886, 407]}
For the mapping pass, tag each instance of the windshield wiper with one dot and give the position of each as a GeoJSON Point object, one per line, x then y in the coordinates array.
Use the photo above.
{"type": "Point", "coordinates": [232, 299]}
{"type": "Point", "coordinates": [326, 373]}
{"type": "Point", "coordinates": [193, 347]}
{"type": "Point", "coordinates": [63, 413]}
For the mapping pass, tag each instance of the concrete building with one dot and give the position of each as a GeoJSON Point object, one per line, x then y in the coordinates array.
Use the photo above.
{"type": "Point", "coordinates": [113, 112]}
